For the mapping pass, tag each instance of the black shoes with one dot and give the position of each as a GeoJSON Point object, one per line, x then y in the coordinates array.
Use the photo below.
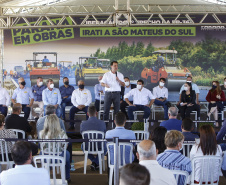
{"type": "Point", "coordinates": [68, 180]}
{"type": "Point", "coordinates": [94, 166]}
{"type": "Point", "coordinates": [71, 128]}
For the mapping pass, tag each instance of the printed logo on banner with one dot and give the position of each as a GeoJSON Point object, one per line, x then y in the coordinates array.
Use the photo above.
{"type": "Point", "coordinates": [32, 36]}
{"type": "Point", "coordinates": [137, 31]}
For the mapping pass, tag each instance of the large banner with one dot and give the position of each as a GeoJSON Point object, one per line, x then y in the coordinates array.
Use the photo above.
{"type": "Point", "coordinates": [146, 53]}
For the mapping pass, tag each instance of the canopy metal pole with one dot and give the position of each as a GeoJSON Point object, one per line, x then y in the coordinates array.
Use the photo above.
{"type": "Point", "coordinates": [1, 50]}
{"type": "Point", "coordinates": [116, 160]}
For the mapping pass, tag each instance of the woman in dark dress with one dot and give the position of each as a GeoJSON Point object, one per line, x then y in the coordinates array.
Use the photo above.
{"type": "Point", "coordinates": [188, 103]}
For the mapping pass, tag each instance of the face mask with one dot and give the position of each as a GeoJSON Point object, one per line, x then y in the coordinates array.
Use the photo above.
{"type": "Point", "coordinates": [186, 88]}
{"type": "Point", "coordinates": [139, 87]}
{"type": "Point", "coordinates": [66, 83]}
{"type": "Point", "coordinates": [189, 81]}
{"type": "Point", "coordinates": [224, 83]}
{"type": "Point", "coordinates": [81, 86]}
{"type": "Point", "coordinates": [51, 86]}
{"type": "Point", "coordinates": [23, 83]}
{"type": "Point", "coordinates": [40, 83]}
{"type": "Point", "coordinates": [161, 84]}
{"type": "Point", "coordinates": [214, 86]}
{"type": "Point", "coordinates": [127, 83]}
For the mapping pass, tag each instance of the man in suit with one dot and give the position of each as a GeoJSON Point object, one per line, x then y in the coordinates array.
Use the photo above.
{"type": "Point", "coordinates": [93, 124]}
{"type": "Point", "coordinates": [125, 90]}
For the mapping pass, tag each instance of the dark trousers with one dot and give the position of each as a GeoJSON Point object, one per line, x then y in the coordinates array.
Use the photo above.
{"type": "Point", "coordinates": [97, 105]}
{"type": "Point", "coordinates": [3, 110]}
{"type": "Point", "coordinates": [185, 111]}
{"type": "Point", "coordinates": [123, 106]}
{"type": "Point", "coordinates": [109, 98]}
{"type": "Point", "coordinates": [26, 111]}
{"type": "Point", "coordinates": [131, 109]}
{"type": "Point", "coordinates": [164, 104]}
{"type": "Point", "coordinates": [65, 102]}
{"type": "Point", "coordinates": [74, 110]}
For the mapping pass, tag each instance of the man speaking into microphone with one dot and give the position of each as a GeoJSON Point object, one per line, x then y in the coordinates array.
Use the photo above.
{"type": "Point", "coordinates": [112, 81]}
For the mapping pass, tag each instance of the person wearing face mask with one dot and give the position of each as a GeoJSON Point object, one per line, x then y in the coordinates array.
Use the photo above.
{"type": "Point", "coordinates": [161, 94]}
{"type": "Point", "coordinates": [141, 97]}
{"type": "Point", "coordinates": [188, 102]}
{"type": "Point", "coordinates": [223, 88]}
{"type": "Point", "coordinates": [37, 91]}
{"type": "Point", "coordinates": [194, 87]}
{"type": "Point", "coordinates": [215, 97]}
{"type": "Point", "coordinates": [66, 91]}
{"type": "Point", "coordinates": [4, 100]}
{"type": "Point", "coordinates": [81, 99]}
{"type": "Point", "coordinates": [51, 96]}
{"type": "Point", "coordinates": [24, 96]}
{"type": "Point", "coordinates": [124, 90]}
{"type": "Point", "coordinates": [99, 91]}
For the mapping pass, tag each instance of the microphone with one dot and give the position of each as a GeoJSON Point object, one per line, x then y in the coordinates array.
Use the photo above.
{"type": "Point", "coordinates": [116, 73]}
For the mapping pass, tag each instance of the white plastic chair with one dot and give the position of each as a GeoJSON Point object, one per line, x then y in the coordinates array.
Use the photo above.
{"type": "Point", "coordinates": [156, 108]}
{"type": "Point", "coordinates": [122, 162]}
{"type": "Point", "coordinates": [50, 161]}
{"type": "Point", "coordinates": [141, 135]}
{"type": "Point", "coordinates": [206, 166]}
{"type": "Point", "coordinates": [17, 131]}
{"type": "Point", "coordinates": [187, 148]}
{"type": "Point", "coordinates": [136, 113]}
{"type": "Point", "coordinates": [177, 173]}
{"type": "Point", "coordinates": [5, 159]}
{"type": "Point", "coordinates": [95, 148]}
{"type": "Point", "coordinates": [196, 117]}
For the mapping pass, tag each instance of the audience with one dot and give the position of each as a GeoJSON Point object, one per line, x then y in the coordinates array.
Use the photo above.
{"type": "Point", "coordinates": [24, 173]}
{"type": "Point", "coordinates": [5, 133]}
{"type": "Point", "coordinates": [221, 134]}
{"type": "Point", "coordinates": [93, 124]}
{"type": "Point", "coordinates": [52, 130]}
{"type": "Point", "coordinates": [187, 126]}
{"type": "Point", "coordinates": [171, 158]}
{"type": "Point", "coordinates": [173, 123]}
{"type": "Point", "coordinates": [33, 133]}
{"type": "Point", "coordinates": [223, 88]}
{"type": "Point", "coordinates": [122, 133]}
{"type": "Point", "coordinates": [158, 136]}
{"type": "Point", "coordinates": [207, 146]}
{"type": "Point", "coordinates": [134, 174]}
{"type": "Point", "coordinates": [147, 156]}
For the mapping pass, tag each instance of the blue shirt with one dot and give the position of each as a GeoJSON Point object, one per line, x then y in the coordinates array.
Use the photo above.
{"type": "Point", "coordinates": [222, 131]}
{"type": "Point", "coordinates": [172, 124]}
{"type": "Point", "coordinates": [188, 136]}
{"type": "Point", "coordinates": [97, 89]}
{"type": "Point", "coordinates": [66, 91]}
{"type": "Point", "coordinates": [174, 160]}
{"type": "Point", "coordinates": [122, 133]}
{"type": "Point", "coordinates": [45, 60]}
{"type": "Point", "coordinates": [23, 96]}
{"type": "Point", "coordinates": [38, 92]}
{"type": "Point", "coordinates": [51, 97]}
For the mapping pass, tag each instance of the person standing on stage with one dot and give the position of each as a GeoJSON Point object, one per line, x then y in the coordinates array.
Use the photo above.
{"type": "Point", "coordinates": [112, 81]}
{"type": "Point", "coordinates": [24, 96]}
{"type": "Point", "coordinates": [4, 100]}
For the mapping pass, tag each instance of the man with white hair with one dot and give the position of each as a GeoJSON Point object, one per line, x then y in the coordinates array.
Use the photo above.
{"type": "Point", "coordinates": [147, 153]}
{"type": "Point", "coordinates": [173, 123]}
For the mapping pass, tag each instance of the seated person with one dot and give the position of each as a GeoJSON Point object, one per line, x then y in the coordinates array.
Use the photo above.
{"type": "Point", "coordinates": [188, 102]}
{"type": "Point", "coordinates": [52, 130]}
{"type": "Point", "coordinates": [221, 134]}
{"type": "Point", "coordinates": [158, 136]}
{"type": "Point", "coordinates": [81, 98]}
{"type": "Point", "coordinates": [187, 127]}
{"type": "Point", "coordinates": [122, 133]}
{"type": "Point", "coordinates": [173, 123]}
{"type": "Point", "coordinates": [161, 94]}
{"type": "Point", "coordinates": [171, 158]}
{"type": "Point", "coordinates": [223, 88]}
{"type": "Point", "coordinates": [124, 90]}
{"type": "Point", "coordinates": [141, 97]}
{"type": "Point", "coordinates": [215, 97]}
{"type": "Point", "coordinates": [134, 174]}
{"type": "Point", "coordinates": [5, 133]}
{"type": "Point", "coordinates": [93, 124]}
{"type": "Point", "coordinates": [207, 146]}
{"type": "Point", "coordinates": [99, 90]}
{"type": "Point", "coordinates": [24, 173]}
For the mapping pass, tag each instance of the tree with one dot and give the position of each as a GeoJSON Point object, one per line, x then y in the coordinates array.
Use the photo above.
{"type": "Point", "coordinates": [139, 49]}
{"type": "Point", "coordinates": [149, 50]}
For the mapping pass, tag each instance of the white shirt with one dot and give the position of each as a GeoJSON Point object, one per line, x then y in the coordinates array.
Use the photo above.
{"type": "Point", "coordinates": [160, 92]}
{"type": "Point", "coordinates": [109, 78]}
{"type": "Point", "coordinates": [194, 87]}
{"type": "Point", "coordinates": [197, 152]}
{"type": "Point", "coordinates": [140, 97]}
{"type": "Point", "coordinates": [127, 89]}
{"type": "Point", "coordinates": [4, 98]}
{"type": "Point", "coordinates": [25, 175]}
{"type": "Point", "coordinates": [159, 175]}
{"type": "Point", "coordinates": [81, 97]}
